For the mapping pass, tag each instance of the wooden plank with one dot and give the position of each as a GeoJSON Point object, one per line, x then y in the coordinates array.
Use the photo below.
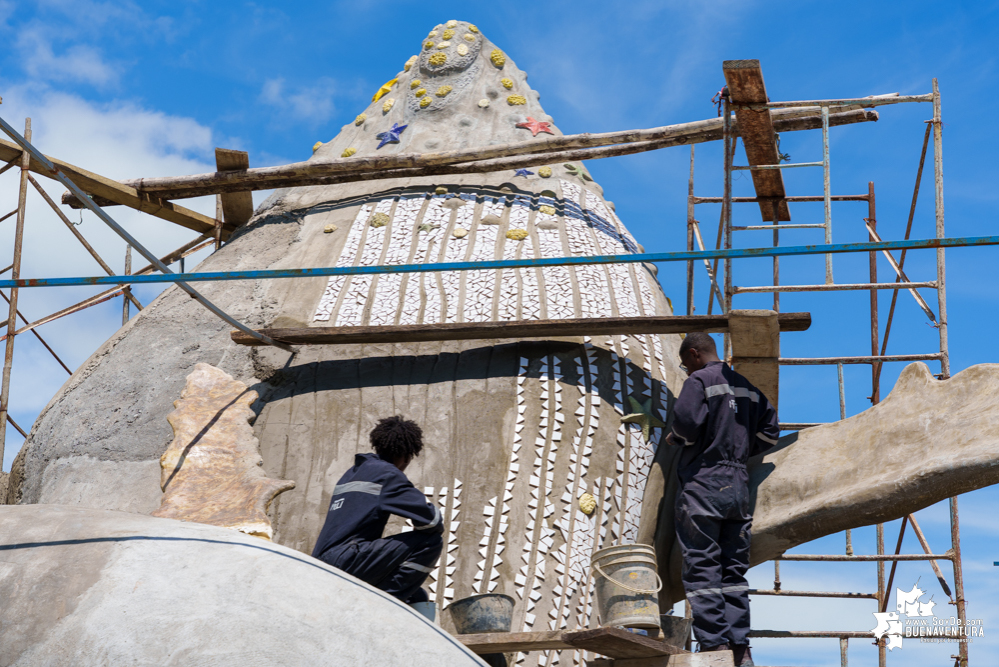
{"type": "Point", "coordinates": [237, 207]}
{"type": "Point", "coordinates": [413, 333]}
{"type": "Point", "coordinates": [110, 190]}
{"type": "Point", "coordinates": [756, 348]}
{"type": "Point", "coordinates": [619, 643]}
{"type": "Point", "coordinates": [513, 642]}
{"type": "Point", "coordinates": [744, 79]}
{"type": "Point", "coordinates": [709, 659]}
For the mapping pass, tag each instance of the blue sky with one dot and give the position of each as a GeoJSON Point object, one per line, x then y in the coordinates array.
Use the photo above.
{"type": "Point", "coordinates": [149, 89]}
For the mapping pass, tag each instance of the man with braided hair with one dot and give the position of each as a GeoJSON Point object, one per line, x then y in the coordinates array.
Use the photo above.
{"type": "Point", "coordinates": [351, 538]}
{"type": "Point", "coordinates": [720, 420]}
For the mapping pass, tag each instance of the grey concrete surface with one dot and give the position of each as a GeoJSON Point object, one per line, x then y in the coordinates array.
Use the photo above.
{"type": "Point", "coordinates": [96, 587]}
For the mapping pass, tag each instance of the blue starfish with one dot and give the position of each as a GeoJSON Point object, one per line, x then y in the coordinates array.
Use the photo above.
{"type": "Point", "coordinates": [390, 136]}
{"type": "Point", "coordinates": [523, 172]}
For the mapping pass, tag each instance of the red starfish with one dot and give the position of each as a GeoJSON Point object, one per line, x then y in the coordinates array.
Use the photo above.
{"type": "Point", "coordinates": [536, 126]}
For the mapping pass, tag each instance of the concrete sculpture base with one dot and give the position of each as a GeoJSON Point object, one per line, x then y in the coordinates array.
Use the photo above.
{"type": "Point", "coordinates": [96, 587]}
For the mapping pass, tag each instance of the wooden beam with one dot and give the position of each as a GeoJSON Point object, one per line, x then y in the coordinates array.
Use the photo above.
{"type": "Point", "coordinates": [744, 79]}
{"type": "Point", "coordinates": [110, 190]}
{"type": "Point", "coordinates": [610, 642]}
{"type": "Point", "coordinates": [237, 207]}
{"type": "Point", "coordinates": [604, 326]}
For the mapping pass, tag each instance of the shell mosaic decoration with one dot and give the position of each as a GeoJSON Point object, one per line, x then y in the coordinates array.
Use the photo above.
{"type": "Point", "coordinates": [425, 102]}
{"type": "Point", "coordinates": [448, 34]}
{"type": "Point", "coordinates": [483, 103]}
{"type": "Point", "coordinates": [545, 172]}
{"type": "Point", "coordinates": [451, 24]}
{"type": "Point", "coordinates": [459, 233]}
{"type": "Point", "coordinates": [387, 105]}
{"type": "Point", "coordinates": [316, 146]}
{"type": "Point", "coordinates": [547, 209]}
{"type": "Point", "coordinates": [347, 152]}
{"type": "Point", "coordinates": [421, 92]}
{"type": "Point", "coordinates": [468, 37]}
{"type": "Point", "coordinates": [514, 100]}
{"type": "Point", "coordinates": [517, 234]}
{"type": "Point", "coordinates": [507, 83]}
{"type": "Point", "coordinates": [462, 50]}
{"type": "Point", "coordinates": [428, 45]}
{"type": "Point", "coordinates": [443, 91]}
{"type": "Point", "coordinates": [438, 59]}
{"type": "Point", "coordinates": [440, 190]}
{"type": "Point", "coordinates": [360, 119]}
{"type": "Point", "coordinates": [472, 28]}
{"type": "Point", "coordinates": [409, 63]}
{"type": "Point", "coordinates": [379, 219]}
{"type": "Point", "coordinates": [587, 503]}
{"type": "Point", "coordinates": [329, 229]}
{"type": "Point", "coordinates": [497, 58]}
{"type": "Point", "coordinates": [443, 45]}
{"type": "Point", "coordinates": [415, 83]}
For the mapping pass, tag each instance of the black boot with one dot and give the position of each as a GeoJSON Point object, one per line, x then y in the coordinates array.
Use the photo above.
{"type": "Point", "coordinates": [741, 656]}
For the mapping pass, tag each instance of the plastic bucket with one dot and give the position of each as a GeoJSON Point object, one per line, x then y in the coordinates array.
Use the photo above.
{"type": "Point", "coordinates": [491, 612]}
{"type": "Point", "coordinates": [627, 586]}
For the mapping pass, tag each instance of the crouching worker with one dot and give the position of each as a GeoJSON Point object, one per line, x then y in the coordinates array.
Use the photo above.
{"type": "Point", "coordinates": [720, 420]}
{"type": "Point", "coordinates": [351, 538]}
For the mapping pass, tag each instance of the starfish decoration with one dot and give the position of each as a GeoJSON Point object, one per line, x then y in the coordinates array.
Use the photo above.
{"type": "Point", "coordinates": [576, 171]}
{"type": "Point", "coordinates": [523, 172]}
{"type": "Point", "coordinates": [390, 136]}
{"type": "Point", "coordinates": [643, 415]}
{"type": "Point", "coordinates": [427, 227]}
{"type": "Point", "coordinates": [536, 126]}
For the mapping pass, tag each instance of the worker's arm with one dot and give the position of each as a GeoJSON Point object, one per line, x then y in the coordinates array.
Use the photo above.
{"type": "Point", "coordinates": [690, 413]}
{"type": "Point", "coordinates": [767, 431]}
{"type": "Point", "coordinates": [401, 498]}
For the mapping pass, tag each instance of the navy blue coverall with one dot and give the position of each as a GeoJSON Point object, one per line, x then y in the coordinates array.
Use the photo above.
{"type": "Point", "coordinates": [721, 420]}
{"type": "Point", "coordinates": [351, 538]}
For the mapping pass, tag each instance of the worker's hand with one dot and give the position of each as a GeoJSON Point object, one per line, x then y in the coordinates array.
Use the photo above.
{"type": "Point", "coordinates": [669, 440]}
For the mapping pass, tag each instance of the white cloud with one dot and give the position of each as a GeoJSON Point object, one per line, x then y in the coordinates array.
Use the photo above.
{"type": "Point", "coordinates": [312, 103]}
{"type": "Point", "coordinates": [77, 63]}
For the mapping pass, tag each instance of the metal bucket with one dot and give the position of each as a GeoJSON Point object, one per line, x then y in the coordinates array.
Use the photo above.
{"type": "Point", "coordinates": [491, 612]}
{"type": "Point", "coordinates": [627, 586]}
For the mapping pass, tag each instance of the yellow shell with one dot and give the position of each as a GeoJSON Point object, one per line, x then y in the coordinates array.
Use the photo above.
{"type": "Point", "coordinates": [448, 34]}
{"type": "Point", "coordinates": [468, 37]}
{"type": "Point", "coordinates": [438, 58]}
{"type": "Point", "coordinates": [387, 105]}
{"type": "Point", "coordinates": [360, 119]}
{"type": "Point", "coordinates": [587, 503]}
{"type": "Point", "coordinates": [421, 92]}
{"type": "Point", "coordinates": [507, 83]}
{"type": "Point", "coordinates": [443, 91]}
{"type": "Point", "coordinates": [459, 233]}
{"type": "Point", "coordinates": [315, 146]}
{"type": "Point", "coordinates": [440, 190]}
{"type": "Point", "coordinates": [379, 219]}
{"type": "Point", "coordinates": [545, 172]}
{"type": "Point", "coordinates": [415, 84]}
{"type": "Point", "coordinates": [347, 152]}
{"type": "Point", "coordinates": [472, 28]}
{"type": "Point", "coordinates": [517, 234]}
{"type": "Point", "coordinates": [462, 50]}
{"type": "Point", "coordinates": [451, 24]}
{"type": "Point", "coordinates": [513, 100]}
{"type": "Point", "coordinates": [329, 229]}
{"type": "Point", "coordinates": [497, 58]}
{"type": "Point", "coordinates": [432, 33]}
{"type": "Point", "coordinates": [425, 102]}
{"type": "Point", "coordinates": [429, 44]}
{"type": "Point", "coordinates": [409, 63]}
{"type": "Point", "coordinates": [546, 209]}
{"type": "Point", "coordinates": [443, 45]}
{"type": "Point", "coordinates": [483, 103]}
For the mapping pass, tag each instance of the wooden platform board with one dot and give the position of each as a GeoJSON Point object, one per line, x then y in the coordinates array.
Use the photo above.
{"type": "Point", "coordinates": [611, 642]}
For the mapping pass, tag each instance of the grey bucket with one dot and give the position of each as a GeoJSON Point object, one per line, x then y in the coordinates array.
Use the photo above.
{"type": "Point", "coordinates": [426, 609]}
{"type": "Point", "coordinates": [491, 612]}
{"type": "Point", "coordinates": [627, 586]}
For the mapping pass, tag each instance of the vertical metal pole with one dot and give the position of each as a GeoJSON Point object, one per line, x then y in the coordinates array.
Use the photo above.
{"type": "Point", "coordinates": [690, 234]}
{"type": "Point", "coordinates": [842, 391]}
{"type": "Point", "coordinates": [941, 270]}
{"type": "Point", "coordinates": [849, 542]}
{"type": "Point", "coordinates": [776, 575]}
{"type": "Point", "coordinates": [124, 295]}
{"type": "Point", "coordinates": [882, 651]}
{"type": "Point", "coordinates": [8, 357]}
{"type": "Point", "coordinates": [844, 645]}
{"type": "Point", "coordinates": [873, 260]}
{"type": "Point", "coordinates": [827, 195]}
{"type": "Point", "coordinates": [218, 221]}
{"type": "Point", "coordinates": [776, 261]}
{"type": "Point", "coordinates": [727, 211]}
{"type": "Point", "coordinates": [955, 545]}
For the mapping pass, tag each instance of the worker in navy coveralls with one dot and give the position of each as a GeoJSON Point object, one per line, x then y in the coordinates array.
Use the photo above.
{"type": "Point", "coordinates": [720, 420]}
{"type": "Point", "coordinates": [351, 538]}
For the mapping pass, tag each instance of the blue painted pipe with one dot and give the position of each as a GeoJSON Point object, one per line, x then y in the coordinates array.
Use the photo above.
{"type": "Point", "coordinates": [736, 253]}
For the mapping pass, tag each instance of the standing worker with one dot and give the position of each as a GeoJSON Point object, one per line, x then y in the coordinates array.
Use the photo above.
{"type": "Point", "coordinates": [351, 539]}
{"type": "Point", "coordinates": [720, 420]}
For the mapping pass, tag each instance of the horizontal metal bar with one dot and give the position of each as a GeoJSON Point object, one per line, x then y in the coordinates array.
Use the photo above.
{"type": "Point", "coordinates": [809, 634]}
{"type": "Point", "coordinates": [767, 289]}
{"type": "Point", "coordinates": [734, 253]}
{"type": "Point", "coordinates": [793, 198]}
{"type": "Point", "coordinates": [822, 361]}
{"type": "Point", "coordinates": [799, 426]}
{"type": "Point", "coordinates": [804, 225]}
{"type": "Point", "coordinates": [864, 557]}
{"type": "Point", "coordinates": [815, 594]}
{"type": "Point", "coordinates": [864, 102]}
{"type": "Point", "coordinates": [789, 165]}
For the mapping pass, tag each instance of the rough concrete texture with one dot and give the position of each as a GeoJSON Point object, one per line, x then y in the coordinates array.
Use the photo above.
{"type": "Point", "coordinates": [95, 587]}
{"type": "Point", "coordinates": [927, 441]}
{"type": "Point", "coordinates": [211, 472]}
{"type": "Point", "coordinates": [516, 431]}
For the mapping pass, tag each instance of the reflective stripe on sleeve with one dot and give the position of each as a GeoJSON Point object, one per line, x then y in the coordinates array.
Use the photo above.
{"type": "Point", "coordinates": [359, 487]}
{"type": "Point", "coordinates": [437, 520]}
{"type": "Point", "coordinates": [416, 566]}
{"type": "Point", "coordinates": [766, 439]}
{"type": "Point", "coordinates": [738, 392]}
{"type": "Point", "coordinates": [704, 591]}
{"type": "Point", "coordinates": [686, 443]}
